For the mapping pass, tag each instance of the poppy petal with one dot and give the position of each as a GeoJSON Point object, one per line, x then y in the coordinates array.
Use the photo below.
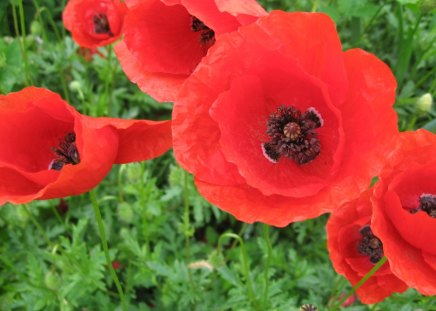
{"type": "Point", "coordinates": [162, 86]}
{"type": "Point", "coordinates": [138, 140]}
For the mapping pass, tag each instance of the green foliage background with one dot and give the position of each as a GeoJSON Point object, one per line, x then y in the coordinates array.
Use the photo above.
{"type": "Point", "coordinates": [176, 251]}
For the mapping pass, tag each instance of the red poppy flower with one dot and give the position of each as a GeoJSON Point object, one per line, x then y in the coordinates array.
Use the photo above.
{"type": "Point", "coordinates": [279, 125]}
{"type": "Point", "coordinates": [354, 250]}
{"type": "Point", "coordinates": [49, 150]}
{"type": "Point", "coordinates": [94, 23]}
{"type": "Point", "coordinates": [405, 211]}
{"type": "Point", "coordinates": [164, 40]}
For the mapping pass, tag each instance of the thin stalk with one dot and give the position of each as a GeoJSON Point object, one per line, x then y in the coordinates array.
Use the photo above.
{"type": "Point", "coordinates": [186, 220]}
{"type": "Point", "coordinates": [187, 227]}
{"type": "Point", "coordinates": [37, 225]}
{"type": "Point", "coordinates": [58, 216]}
{"type": "Point", "coordinates": [108, 82]}
{"type": "Point", "coordinates": [244, 259]}
{"type": "Point", "coordinates": [106, 248]}
{"type": "Point", "coordinates": [267, 264]}
{"type": "Point", "coordinates": [363, 280]}
{"type": "Point", "coordinates": [51, 21]}
{"type": "Point", "coordinates": [22, 39]}
{"type": "Point", "coordinates": [315, 6]}
{"type": "Point", "coordinates": [144, 192]}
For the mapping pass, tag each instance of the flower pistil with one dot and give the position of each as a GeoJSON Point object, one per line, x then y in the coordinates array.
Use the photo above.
{"type": "Point", "coordinates": [66, 153]}
{"type": "Point", "coordinates": [101, 24]}
{"type": "Point", "coordinates": [207, 35]}
{"type": "Point", "coordinates": [370, 245]}
{"type": "Point", "coordinates": [293, 135]}
{"type": "Point", "coordinates": [427, 203]}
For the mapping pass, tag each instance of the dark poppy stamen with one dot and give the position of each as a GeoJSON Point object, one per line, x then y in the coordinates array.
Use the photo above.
{"type": "Point", "coordinates": [370, 245]}
{"type": "Point", "coordinates": [101, 24]}
{"type": "Point", "coordinates": [207, 35]}
{"type": "Point", "coordinates": [66, 153]}
{"type": "Point", "coordinates": [292, 134]}
{"type": "Point", "coordinates": [427, 203]}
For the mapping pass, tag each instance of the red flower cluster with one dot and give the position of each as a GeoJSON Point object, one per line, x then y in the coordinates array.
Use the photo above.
{"type": "Point", "coordinates": [164, 40]}
{"type": "Point", "coordinates": [354, 249]}
{"type": "Point", "coordinates": [277, 124]}
{"type": "Point", "coordinates": [274, 120]}
{"type": "Point", "coordinates": [94, 23]}
{"type": "Point", "coordinates": [396, 219]}
{"type": "Point", "coordinates": [49, 150]}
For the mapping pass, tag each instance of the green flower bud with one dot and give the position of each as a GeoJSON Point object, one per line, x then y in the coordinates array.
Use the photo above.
{"type": "Point", "coordinates": [35, 28]}
{"type": "Point", "coordinates": [425, 102]}
{"type": "Point", "coordinates": [125, 213]}
{"type": "Point", "coordinates": [52, 280]}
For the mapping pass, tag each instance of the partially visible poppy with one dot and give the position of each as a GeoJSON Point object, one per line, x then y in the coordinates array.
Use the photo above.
{"type": "Point", "coordinates": [48, 150]}
{"type": "Point", "coordinates": [354, 249]}
{"type": "Point", "coordinates": [405, 210]}
{"type": "Point", "coordinates": [278, 125]}
{"type": "Point", "coordinates": [94, 23]}
{"type": "Point", "coordinates": [164, 40]}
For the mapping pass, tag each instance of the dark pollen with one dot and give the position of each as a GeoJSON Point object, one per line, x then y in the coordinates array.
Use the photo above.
{"type": "Point", "coordinates": [427, 203]}
{"type": "Point", "coordinates": [207, 35]}
{"type": "Point", "coordinates": [101, 24]}
{"type": "Point", "coordinates": [292, 134]}
{"type": "Point", "coordinates": [370, 245]}
{"type": "Point", "coordinates": [66, 153]}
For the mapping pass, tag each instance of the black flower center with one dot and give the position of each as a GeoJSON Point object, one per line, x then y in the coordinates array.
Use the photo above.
{"type": "Point", "coordinates": [101, 24]}
{"type": "Point", "coordinates": [207, 35]}
{"type": "Point", "coordinates": [370, 245]}
{"type": "Point", "coordinates": [66, 153]}
{"type": "Point", "coordinates": [292, 134]}
{"type": "Point", "coordinates": [427, 203]}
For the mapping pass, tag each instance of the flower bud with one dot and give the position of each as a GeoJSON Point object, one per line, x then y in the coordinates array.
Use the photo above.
{"type": "Point", "coordinates": [75, 86]}
{"type": "Point", "coordinates": [425, 102]}
{"type": "Point", "coordinates": [125, 213]}
{"type": "Point", "coordinates": [35, 28]}
{"type": "Point", "coordinates": [52, 280]}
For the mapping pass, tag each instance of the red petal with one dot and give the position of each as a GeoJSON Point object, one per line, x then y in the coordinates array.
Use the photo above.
{"type": "Point", "coordinates": [98, 149]}
{"type": "Point", "coordinates": [242, 114]}
{"type": "Point", "coordinates": [161, 39]}
{"type": "Point", "coordinates": [250, 205]}
{"type": "Point", "coordinates": [138, 140]}
{"type": "Point", "coordinates": [406, 261]}
{"type": "Point", "coordinates": [414, 228]}
{"type": "Point", "coordinates": [161, 86]}
{"type": "Point", "coordinates": [369, 122]}
{"type": "Point", "coordinates": [312, 41]}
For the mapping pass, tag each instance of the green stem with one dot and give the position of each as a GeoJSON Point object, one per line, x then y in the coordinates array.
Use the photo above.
{"type": "Point", "coordinates": [58, 217]}
{"type": "Point", "coordinates": [106, 248]}
{"type": "Point", "coordinates": [187, 228]}
{"type": "Point", "coordinates": [108, 82]}
{"type": "Point", "coordinates": [363, 280]}
{"type": "Point", "coordinates": [37, 225]}
{"type": "Point", "coordinates": [22, 39]}
{"type": "Point", "coordinates": [186, 220]}
{"type": "Point", "coordinates": [315, 5]}
{"type": "Point", "coordinates": [244, 259]}
{"type": "Point", "coordinates": [268, 263]}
